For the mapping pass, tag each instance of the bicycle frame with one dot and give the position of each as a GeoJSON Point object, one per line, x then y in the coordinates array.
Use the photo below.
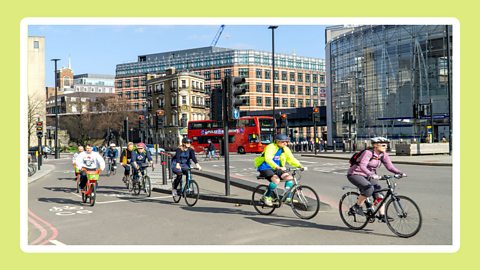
{"type": "Point", "coordinates": [187, 182]}
{"type": "Point", "coordinates": [390, 193]}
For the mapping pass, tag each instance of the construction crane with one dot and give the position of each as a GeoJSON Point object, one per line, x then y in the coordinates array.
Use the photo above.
{"type": "Point", "coordinates": [217, 36]}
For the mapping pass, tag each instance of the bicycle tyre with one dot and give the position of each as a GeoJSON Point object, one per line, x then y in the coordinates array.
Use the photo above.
{"type": "Point", "coordinates": [147, 186]}
{"type": "Point", "coordinates": [84, 196]}
{"type": "Point", "coordinates": [176, 198]}
{"type": "Point", "coordinates": [257, 202]}
{"type": "Point", "coordinates": [130, 184]}
{"type": "Point", "coordinates": [109, 171]}
{"type": "Point", "coordinates": [192, 193]}
{"type": "Point", "coordinates": [305, 207]}
{"type": "Point", "coordinates": [93, 194]}
{"type": "Point", "coordinates": [406, 212]}
{"type": "Point", "coordinates": [355, 222]}
{"type": "Point", "coordinates": [77, 183]}
{"type": "Point", "coordinates": [136, 187]}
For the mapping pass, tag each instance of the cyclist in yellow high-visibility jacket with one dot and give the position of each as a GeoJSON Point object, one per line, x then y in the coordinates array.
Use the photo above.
{"type": "Point", "coordinates": [271, 165]}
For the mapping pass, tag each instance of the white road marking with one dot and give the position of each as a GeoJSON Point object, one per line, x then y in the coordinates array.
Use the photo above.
{"type": "Point", "coordinates": [57, 243]}
{"type": "Point", "coordinates": [303, 161]}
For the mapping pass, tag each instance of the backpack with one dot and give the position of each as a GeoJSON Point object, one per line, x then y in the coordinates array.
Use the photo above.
{"type": "Point", "coordinates": [354, 158]}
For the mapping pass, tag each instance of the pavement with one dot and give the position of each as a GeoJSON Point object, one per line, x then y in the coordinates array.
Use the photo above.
{"type": "Point", "coordinates": [212, 185]}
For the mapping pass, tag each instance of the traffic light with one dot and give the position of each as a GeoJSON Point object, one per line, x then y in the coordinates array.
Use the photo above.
{"type": "Point", "coordinates": [235, 88]}
{"type": "Point", "coordinates": [39, 129]}
{"type": "Point", "coordinates": [316, 114]}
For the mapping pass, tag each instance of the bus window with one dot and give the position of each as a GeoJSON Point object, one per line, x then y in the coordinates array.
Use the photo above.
{"type": "Point", "coordinates": [253, 138]}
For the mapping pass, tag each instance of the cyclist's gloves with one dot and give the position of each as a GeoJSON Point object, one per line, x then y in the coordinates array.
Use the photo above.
{"type": "Point", "coordinates": [199, 167]}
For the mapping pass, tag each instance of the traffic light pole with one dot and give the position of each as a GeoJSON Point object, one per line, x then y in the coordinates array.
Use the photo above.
{"type": "Point", "coordinates": [226, 86]}
{"type": "Point", "coordinates": [40, 152]}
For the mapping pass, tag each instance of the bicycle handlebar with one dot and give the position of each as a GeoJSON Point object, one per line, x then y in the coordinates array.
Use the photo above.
{"type": "Point", "coordinates": [396, 176]}
{"type": "Point", "coordinates": [296, 169]}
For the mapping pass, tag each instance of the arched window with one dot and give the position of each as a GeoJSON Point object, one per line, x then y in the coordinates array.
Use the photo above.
{"type": "Point", "coordinates": [66, 81]}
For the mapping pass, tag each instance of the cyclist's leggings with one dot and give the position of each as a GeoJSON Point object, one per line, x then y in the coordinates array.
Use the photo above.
{"type": "Point", "coordinates": [127, 170]}
{"type": "Point", "coordinates": [179, 173]}
{"type": "Point", "coordinates": [366, 187]}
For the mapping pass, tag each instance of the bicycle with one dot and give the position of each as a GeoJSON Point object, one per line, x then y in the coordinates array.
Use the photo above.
{"type": "Point", "coordinates": [143, 182]}
{"type": "Point", "coordinates": [77, 178]}
{"type": "Point", "coordinates": [111, 169]}
{"type": "Point", "coordinates": [32, 169]}
{"type": "Point", "coordinates": [399, 210]}
{"type": "Point", "coordinates": [208, 157]}
{"type": "Point", "coordinates": [190, 191]}
{"type": "Point", "coordinates": [89, 191]}
{"type": "Point", "coordinates": [305, 202]}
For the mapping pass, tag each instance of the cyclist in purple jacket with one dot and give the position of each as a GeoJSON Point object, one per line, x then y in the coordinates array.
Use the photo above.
{"type": "Point", "coordinates": [364, 176]}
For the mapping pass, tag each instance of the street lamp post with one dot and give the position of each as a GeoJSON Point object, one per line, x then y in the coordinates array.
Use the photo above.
{"type": "Point", "coordinates": [56, 109]}
{"type": "Point", "coordinates": [273, 27]}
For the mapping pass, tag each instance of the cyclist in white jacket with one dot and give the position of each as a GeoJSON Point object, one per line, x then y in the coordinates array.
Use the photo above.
{"type": "Point", "coordinates": [89, 160]}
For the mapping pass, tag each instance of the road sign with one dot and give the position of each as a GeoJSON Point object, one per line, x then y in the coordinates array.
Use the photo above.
{"type": "Point", "coordinates": [236, 114]}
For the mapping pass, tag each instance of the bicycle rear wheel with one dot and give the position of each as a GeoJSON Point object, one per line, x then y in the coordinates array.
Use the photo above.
{"type": "Point", "coordinates": [192, 193]}
{"type": "Point", "coordinates": [405, 214]}
{"type": "Point", "coordinates": [77, 183]}
{"type": "Point", "coordinates": [353, 221]}
{"type": "Point", "coordinates": [305, 202]}
{"type": "Point", "coordinates": [257, 201]}
{"type": "Point", "coordinates": [93, 194]}
{"type": "Point", "coordinates": [136, 187]}
{"type": "Point", "coordinates": [147, 186]}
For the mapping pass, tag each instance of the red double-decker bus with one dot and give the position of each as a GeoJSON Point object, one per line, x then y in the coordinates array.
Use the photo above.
{"type": "Point", "coordinates": [251, 134]}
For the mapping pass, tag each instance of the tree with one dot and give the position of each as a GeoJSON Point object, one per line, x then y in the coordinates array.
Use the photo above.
{"type": "Point", "coordinates": [34, 111]}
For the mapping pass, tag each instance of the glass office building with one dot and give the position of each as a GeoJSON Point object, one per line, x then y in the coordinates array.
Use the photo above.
{"type": "Point", "coordinates": [389, 80]}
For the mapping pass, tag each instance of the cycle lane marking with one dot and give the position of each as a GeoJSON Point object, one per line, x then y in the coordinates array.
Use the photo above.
{"type": "Point", "coordinates": [57, 243]}
{"type": "Point", "coordinates": [43, 232]}
{"type": "Point", "coordinates": [48, 225]}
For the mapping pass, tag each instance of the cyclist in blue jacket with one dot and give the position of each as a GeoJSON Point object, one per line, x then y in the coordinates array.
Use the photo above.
{"type": "Point", "coordinates": [181, 162]}
{"type": "Point", "coordinates": [140, 158]}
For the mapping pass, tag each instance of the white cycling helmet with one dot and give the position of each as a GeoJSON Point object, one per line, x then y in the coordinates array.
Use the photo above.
{"type": "Point", "coordinates": [112, 145]}
{"type": "Point", "coordinates": [379, 140]}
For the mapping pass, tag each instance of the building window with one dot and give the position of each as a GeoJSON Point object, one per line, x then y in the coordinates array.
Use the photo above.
{"type": "Point", "coordinates": [292, 89]}
{"type": "Point", "coordinates": [267, 88]}
{"type": "Point", "coordinates": [315, 91]}
{"type": "Point", "coordinates": [259, 101]}
{"type": "Point", "coordinates": [292, 102]}
{"type": "Point", "coordinates": [120, 94]}
{"type": "Point", "coordinates": [129, 94]}
{"type": "Point", "coordinates": [322, 78]}
{"type": "Point", "coordinates": [315, 78]}
{"type": "Point", "coordinates": [307, 90]}
{"type": "Point", "coordinates": [267, 74]}
{"type": "Point", "coordinates": [216, 74]}
{"type": "Point", "coordinates": [36, 44]}
{"type": "Point", "coordinates": [127, 83]}
{"type": "Point", "coordinates": [135, 95]}
{"type": "Point", "coordinates": [259, 87]}
{"type": "Point", "coordinates": [243, 72]}
{"type": "Point", "coordinates": [136, 107]}
{"type": "Point", "coordinates": [227, 72]}
{"type": "Point", "coordinates": [300, 77]}
{"type": "Point", "coordinates": [300, 103]}
{"type": "Point", "coordinates": [207, 75]}
{"type": "Point", "coordinates": [119, 84]}
{"type": "Point", "coordinates": [66, 81]}
{"type": "Point", "coordinates": [284, 89]}
{"type": "Point", "coordinates": [300, 90]}
{"type": "Point", "coordinates": [276, 100]}
{"type": "Point", "coordinates": [275, 88]}
{"type": "Point", "coordinates": [258, 73]}
{"type": "Point", "coordinates": [308, 102]}
{"type": "Point", "coordinates": [144, 81]}
{"type": "Point", "coordinates": [144, 94]}
{"type": "Point", "coordinates": [184, 83]}
{"type": "Point", "coordinates": [284, 102]}
{"type": "Point", "coordinates": [135, 82]}
{"type": "Point", "coordinates": [268, 101]}
{"type": "Point", "coordinates": [284, 75]}
{"type": "Point", "coordinates": [292, 76]}
{"type": "Point", "coordinates": [275, 74]}
{"type": "Point", "coordinates": [307, 78]}
{"type": "Point", "coordinates": [184, 100]}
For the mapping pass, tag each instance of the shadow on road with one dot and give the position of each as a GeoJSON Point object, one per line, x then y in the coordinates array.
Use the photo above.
{"type": "Point", "coordinates": [217, 210]}
{"type": "Point", "coordinates": [60, 201]}
{"type": "Point", "coordinates": [66, 178]}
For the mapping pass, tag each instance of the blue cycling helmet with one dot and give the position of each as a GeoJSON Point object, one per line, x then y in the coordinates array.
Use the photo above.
{"type": "Point", "coordinates": [282, 138]}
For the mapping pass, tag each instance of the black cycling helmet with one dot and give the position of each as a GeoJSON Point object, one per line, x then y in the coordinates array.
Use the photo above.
{"type": "Point", "coordinates": [186, 140]}
{"type": "Point", "coordinates": [282, 138]}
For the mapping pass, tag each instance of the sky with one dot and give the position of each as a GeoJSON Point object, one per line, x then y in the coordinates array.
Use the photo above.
{"type": "Point", "coordinates": [99, 48]}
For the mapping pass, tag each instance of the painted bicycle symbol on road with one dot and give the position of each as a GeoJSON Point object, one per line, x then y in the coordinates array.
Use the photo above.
{"type": "Point", "coordinates": [69, 210]}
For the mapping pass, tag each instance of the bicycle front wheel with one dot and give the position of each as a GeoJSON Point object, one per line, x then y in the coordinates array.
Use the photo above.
{"type": "Point", "coordinates": [305, 202]}
{"type": "Point", "coordinates": [192, 193]}
{"type": "Point", "coordinates": [136, 187]}
{"type": "Point", "coordinates": [147, 186]}
{"type": "Point", "coordinates": [93, 194]}
{"type": "Point", "coordinates": [353, 221]}
{"type": "Point", "coordinates": [403, 216]}
{"type": "Point", "coordinates": [257, 201]}
{"type": "Point", "coordinates": [84, 194]}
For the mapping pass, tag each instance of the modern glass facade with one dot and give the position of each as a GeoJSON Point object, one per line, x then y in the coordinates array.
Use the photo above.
{"type": "Point", "coordinates": [378, 74]}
